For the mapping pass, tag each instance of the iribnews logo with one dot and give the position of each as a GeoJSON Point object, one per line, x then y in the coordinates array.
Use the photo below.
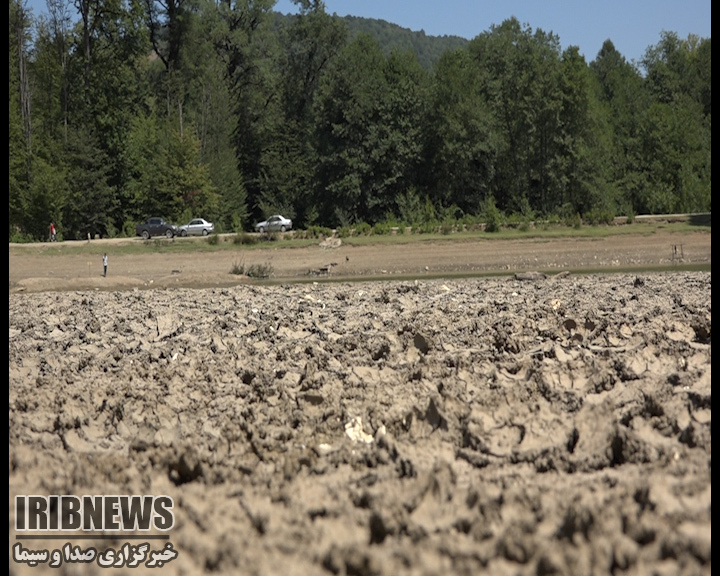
{"type": "Point", "coordinates": [93, 513]}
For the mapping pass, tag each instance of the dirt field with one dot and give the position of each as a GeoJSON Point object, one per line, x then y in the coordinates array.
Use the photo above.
{"type": "Point", "coordinates": [515, 424]}
{"type": "Point", "coordinates": [33, 270]}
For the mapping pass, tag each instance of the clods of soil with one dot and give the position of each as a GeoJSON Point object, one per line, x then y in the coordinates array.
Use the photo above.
{"type": "Point", "coordinates": [528, 425]}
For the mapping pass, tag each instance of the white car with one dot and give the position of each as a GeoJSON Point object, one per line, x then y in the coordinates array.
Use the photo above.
{"type": "Point", "coordinates": [275, 223]}
{"type": "Point", "coordinates": [197, 227]}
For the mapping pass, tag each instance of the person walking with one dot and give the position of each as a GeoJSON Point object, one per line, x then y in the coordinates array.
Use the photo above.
{"type": "Point", "coordinates": [104, 265]}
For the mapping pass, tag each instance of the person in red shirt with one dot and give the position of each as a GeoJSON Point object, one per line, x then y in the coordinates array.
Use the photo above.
{"type": "Point", "coordinates": [52, 232]}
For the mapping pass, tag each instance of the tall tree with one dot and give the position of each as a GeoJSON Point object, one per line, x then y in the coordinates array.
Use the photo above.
{"type": "Point", "coordinates": [347, 112]}
{"type": "Point", "coordinates": [675, 129]}
{"type": "Point", "coordinates": [623, 98]}
{"type": "Point", "coordinates": [169, 23]}
{"type": "Point", "coordinates": [583, 151]}
{"type": "Point", "coordinates": [462, 143]}
{"type": "Point", "coordinates": [524, 89]}
{"type": "Point", "coordinates": [19, 21]}
{"type": "Point", "coordinates": [308, 45]}
{"type": "Point", "coordinates": [371, 112]}
{"type": "Point", "coordinates": [246, 47]}
{"type": "Point", "coordinates": [19, 118]}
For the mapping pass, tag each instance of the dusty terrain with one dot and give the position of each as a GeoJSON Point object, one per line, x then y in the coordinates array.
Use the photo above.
{"type": "Point", "coordinates": [428, 426]}
{"type": "Point", "coordinates": [33, 269]}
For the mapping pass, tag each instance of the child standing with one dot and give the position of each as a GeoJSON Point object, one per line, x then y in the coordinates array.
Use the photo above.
{"type": "Point", "coordinates": [104, 264]}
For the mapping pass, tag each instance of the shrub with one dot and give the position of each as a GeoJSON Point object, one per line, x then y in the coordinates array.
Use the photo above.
{"type": "Point", "coordinates": [492, 215]}
{"type": "Point", "coordinates": [344, 232]}
{"type": "Point", "coordinates": [237, 223]}
{"type": "Point", "coordinates": [427, 227]}
{"type": "Point", "coordinates": [469, 222]}
{"type": "Point", "coordinates": [267, 237]}
{"type": "Point", "coordinates": [244, 238]}
{"type": "Point", "coordinates": [111, 231]}
{"type": "Point", "coordinates": [381, 228]}
{"type": "Point", "coordinates": [363, 229]}
{"type": "Point", "coordinates": [326, 232]}
{"type": "Point", "coordinates": [18, 237]}
{"type": "Point", "coordinates": [314, 231]}
{"type": "Point", "coordinates": [575, 221]}
{"type": "Point", "coordinates": [237, 268]}
{"type": "Point", "coordinates": [260, 270]}
{"type": "Point", "coordinates": [128, 229]}
{"type": "Point", "coordinates": [599, 216]}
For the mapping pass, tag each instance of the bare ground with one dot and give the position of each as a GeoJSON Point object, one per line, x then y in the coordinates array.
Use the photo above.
{"type": "Point", "coordinates": [553, 425]}
{"type": "Point", "coordinates": [30, 270]}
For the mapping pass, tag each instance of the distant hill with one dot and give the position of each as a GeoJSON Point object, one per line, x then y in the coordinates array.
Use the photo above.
{"type": "Point", "coordinates": [393, 37]}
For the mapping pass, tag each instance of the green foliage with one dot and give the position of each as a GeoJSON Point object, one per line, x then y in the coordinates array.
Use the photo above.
{"type": "Point", "coordinates": [111, 231]}
{"type": "Point", "coordinates": [492, 215]}
{"type": "Point", "coordinates": [574, 221]}
{"type": "Point", "coordinates": [380, 228]}
{"type": "Point", "coordinates": [342, 122]}
{"type": "Point", "coordinates": [18, 237]}
{"type": "Point", "coordinates": [314, 231]}
{"type": "Point", "coordinates": [470, 222]}
{"type": "Point", "coordinates": [128, 229]}
{"type": "Point", "coordinates": [410, 205]}
{"type": "Point", "coordinates": [213, 240]}
{"type": "Point", "coordinates": [426, 227]}
{"type": "Point", "coordinates": [236, 223]}
{"type": "Point", "coordinates": [362, 229]}
{"type": "Point", "coordinates": [344, 231]}
{"type": "Point", "coordinates": [515, 220]}
{"type": "Point", "coordinates": [599, 216]}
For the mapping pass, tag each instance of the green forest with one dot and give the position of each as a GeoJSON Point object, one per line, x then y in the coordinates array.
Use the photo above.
{"type": "Point", "coordinates": [225, 109]}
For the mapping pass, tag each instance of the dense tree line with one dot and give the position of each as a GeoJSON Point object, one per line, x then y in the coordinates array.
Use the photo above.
{"type": "Point", "coordinates": [124, 109]}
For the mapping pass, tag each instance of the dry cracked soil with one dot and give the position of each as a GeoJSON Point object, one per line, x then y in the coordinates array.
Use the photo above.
{"type": "Point", "coordinates": [519, 424]}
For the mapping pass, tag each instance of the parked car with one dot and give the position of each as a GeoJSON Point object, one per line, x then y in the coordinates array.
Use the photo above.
{"type": "Point", "coordinates": [197, 227]}
{"type": "Point", "coordinates": [275, 223]}
{"type": "Point", "coordinates": [156, 227]}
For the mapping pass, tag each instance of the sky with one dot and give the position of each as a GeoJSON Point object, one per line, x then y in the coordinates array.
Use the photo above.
{"type": "Point", "coordinates": [632, 25]}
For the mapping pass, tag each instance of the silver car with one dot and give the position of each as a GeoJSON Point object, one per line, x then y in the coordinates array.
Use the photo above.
{"type": "Point", "coordinates": [197, 227]}
{"type": "Point", "coordinates": [275, 223]}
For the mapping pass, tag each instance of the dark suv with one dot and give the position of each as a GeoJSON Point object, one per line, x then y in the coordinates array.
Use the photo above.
{"type": "Point", "coordinates": [156, 227]}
